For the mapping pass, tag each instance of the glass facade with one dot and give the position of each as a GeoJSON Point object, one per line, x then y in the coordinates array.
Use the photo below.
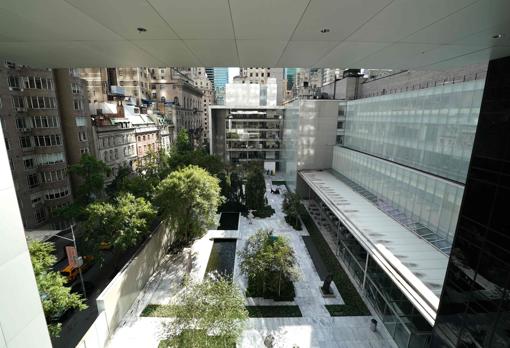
{"type": "Point", "coordinates": [402, 320]}
{"type": "Point", "coordinates": [429, 129]}
{"type": "Point", "coordinates": [429, 200]}
{"type": "Point", "coordinates": [474, 309]}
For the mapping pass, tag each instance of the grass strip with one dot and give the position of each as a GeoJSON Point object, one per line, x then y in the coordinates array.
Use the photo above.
{"type": "Point", "coordinates": [273, 311]}
{"type": "Point", "coordinates": [354, 305]}
{"type": "Point", "coordinates": [156, 310]}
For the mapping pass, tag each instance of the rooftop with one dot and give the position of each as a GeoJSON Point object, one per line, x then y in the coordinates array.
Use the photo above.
{"type": "Point", "coordinates": [415, 266]}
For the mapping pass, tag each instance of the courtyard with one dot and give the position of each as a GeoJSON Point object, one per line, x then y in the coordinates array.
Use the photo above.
{"type": "Point", "coordinates": [315, 327]}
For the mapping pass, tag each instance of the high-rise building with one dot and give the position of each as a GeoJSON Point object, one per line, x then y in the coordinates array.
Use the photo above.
{"type": "Point", "coordinates": [34, 131]}
{"type": "Point", "coordinates": [219, 78]}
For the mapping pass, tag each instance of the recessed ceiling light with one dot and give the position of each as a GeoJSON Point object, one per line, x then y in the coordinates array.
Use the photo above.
{"type": "Point", "coordinates": [325, 30]}
{"type": "Point", "coordinates": [141, 29]}
{"type": "Point", "coordinates": [497, 36]}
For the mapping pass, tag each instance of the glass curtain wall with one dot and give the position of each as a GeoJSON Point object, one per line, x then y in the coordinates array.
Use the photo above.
{"type": "Point", "coordinates": [402, 320]}
{"type": "Point", "coordinates": [429, 200]}
{"type": "Point", "coordinates": [430, 129]}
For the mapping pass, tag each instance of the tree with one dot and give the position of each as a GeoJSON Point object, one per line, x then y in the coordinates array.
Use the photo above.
{"type": "Point", "coordinates": [189, 199]}
{"type": "Point", "coordinates": [255, 190]}
{"type": "Point", "coordinates": [56, 298]}
{"type": "Point", "coordinates": [93, 173]}
{"type": "Point", "coordinates": [291, 206]}
{"type": "Point", "coordinates": [211, 313]}
{"type": "Point", "coordinates": [212, 164]}
{"type": "Point", "coordinates": [123, 223]}
{"type": "Point", "coordinates": [183, 142]}
{"type": "Point", "coordinates": [268, 259]}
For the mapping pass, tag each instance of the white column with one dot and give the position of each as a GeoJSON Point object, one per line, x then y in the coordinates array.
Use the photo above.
{"type": "Point", "coordinates": [22, 322]}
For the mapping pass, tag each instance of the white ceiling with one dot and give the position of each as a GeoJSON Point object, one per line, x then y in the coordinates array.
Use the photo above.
{"type": "Point", "coordinates": [417, 34]}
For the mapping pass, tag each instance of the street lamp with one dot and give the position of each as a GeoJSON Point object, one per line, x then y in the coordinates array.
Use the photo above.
{"type": "Point", "coordinates": [79, 259]}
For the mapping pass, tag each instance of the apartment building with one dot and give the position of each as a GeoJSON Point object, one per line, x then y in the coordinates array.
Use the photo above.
{"type": "Point", "coordinates": [261, 76]}
{"type": "Point", "coordinates": [115, 138]}
{"type": "Point", "coordinates": [34, 138]}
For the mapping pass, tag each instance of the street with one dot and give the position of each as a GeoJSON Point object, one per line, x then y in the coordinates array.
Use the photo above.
{"type": "Point", "coordinates": [77, 324]}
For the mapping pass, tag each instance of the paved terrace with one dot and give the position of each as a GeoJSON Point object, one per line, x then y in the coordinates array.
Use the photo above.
{"type": "Point", "coordinates": [315, 329]}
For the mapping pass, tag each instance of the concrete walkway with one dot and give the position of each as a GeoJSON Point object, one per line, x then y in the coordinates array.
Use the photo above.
{"type": "Point", "coordinates": [315, 329]}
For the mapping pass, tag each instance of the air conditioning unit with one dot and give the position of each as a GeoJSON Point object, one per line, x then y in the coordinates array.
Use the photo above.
{"type": "Point", "coordinates": [24, 129]}
{"type": "Point", "coordinates": [21, 109]}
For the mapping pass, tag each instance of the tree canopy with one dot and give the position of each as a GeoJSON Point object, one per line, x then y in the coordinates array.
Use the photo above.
{"type": "Point", "coordinates": [189, 198]}
{"type": "Point", "coordinates": [93, 173]}
{"type": "Point", "coordinates": [291, 206]}
{"type": "Point", "coordinates": [183, 142]}
{"type": "Point", "coordinates": [255, 190]}
{"type": "Point", "coordinates": [268, 259]}
{"type": "Point", "coordinates": [56, 298]}
{"type": "Point", "coordinates": [211, 313]}
{"type": "Point", "coordinates": [123, 222]}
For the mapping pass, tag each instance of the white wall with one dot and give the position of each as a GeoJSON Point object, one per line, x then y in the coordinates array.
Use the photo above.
{"type": "Point", "coordinates": [118, 297]}
{"type": "Point", "coordinates": [317, 133]}
{"type": "Point", "coordinates": [22, 322]}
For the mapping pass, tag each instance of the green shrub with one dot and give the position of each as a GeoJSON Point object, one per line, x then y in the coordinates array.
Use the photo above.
{"type": "Point", "coordinates": [265, 212]}
{"type": "Point", "coordinates": [294, 222]}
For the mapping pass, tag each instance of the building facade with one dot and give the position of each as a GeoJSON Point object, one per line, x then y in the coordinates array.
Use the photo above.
{"type": "Point", "coordinates": [34, 138]}
{"type": "Point", "coordinates": [390, 200]}
{"type": "Point", "coordinates": [115, 140]}
{"type": "Point", "coordinates": [474, 309]}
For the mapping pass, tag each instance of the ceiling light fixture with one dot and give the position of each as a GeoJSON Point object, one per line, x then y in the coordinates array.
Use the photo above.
{"type": "Point", "coordinates": [325, 30]}
{"type": "Point", "coordinates": [497, 36]}
{"type": "Point", "coordinates": [141, 29]}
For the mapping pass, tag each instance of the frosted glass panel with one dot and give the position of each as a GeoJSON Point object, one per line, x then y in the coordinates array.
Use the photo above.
{"type": "Point", "coordinates": [430, 201]}
{"type": "Point", "coordinates": [429, 129]}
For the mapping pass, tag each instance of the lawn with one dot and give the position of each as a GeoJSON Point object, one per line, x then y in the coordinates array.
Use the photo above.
{"type": "Point", "coordinates": [354, 305]}
{"type": "Point", "coordinates": [273, 311]}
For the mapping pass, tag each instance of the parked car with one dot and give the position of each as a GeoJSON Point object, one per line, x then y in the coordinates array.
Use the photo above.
{"type": "Point", "coordinates": [71, 273]}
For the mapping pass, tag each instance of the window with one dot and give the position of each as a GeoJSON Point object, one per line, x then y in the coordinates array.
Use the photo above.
{"type": "Point", "coordinates": [47, 140]}
{"type": "Point", "coordinates": [84, 150]}
{"type": "Point", "coordinates": [54, 175]}
{"type": "Point", "coordinates": [82, 136]}
{"type": "Point", "coordinates": [42, 102]}
{"type": "Point", "coordinates": [56, 193]}
{"type": "Point", "coordinates": [24, 141]}
{"type": "Point", "coordinates": [49, 158]}
{"type": "Point", "coordinates": [81, 121]}
{"type": "Point", "coordinates": [78, 104]}
{"type": "Point", "coordinates": [32, 82]}
{"type": "Point", "coordinates": [76, 88]}
{"type": "Point", "coordinates": [21, 123]}
{"type": "Point", "coordinates": [116, 154]}
{"type": "Point", "coordinates": [45, 121]}
{"type": "Point", "coordinates": [18, 101]}
{"type": "Point", "coordinates": [40, 214]}
{"type": "Point", "coordinates": [33, 180]}
{"type": "Point", "coordinates": [28, 162]}
{"type": "Point", "coordinates": [7, 145]}
{"type": "Point", "coordinates": [13, 82]}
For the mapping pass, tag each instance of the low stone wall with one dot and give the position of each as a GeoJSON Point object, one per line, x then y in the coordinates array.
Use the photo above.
{"type": "Point", "coordinates": [114, 302]}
